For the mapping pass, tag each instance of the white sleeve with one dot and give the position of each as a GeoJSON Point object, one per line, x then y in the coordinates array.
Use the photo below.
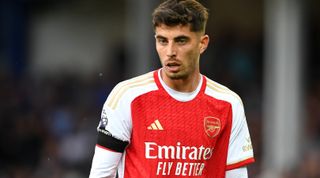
{"type": "Point", "coordinates": [104, 163]}
{"type": "Point", "coordinates": [238, 173]}
{"type": "Point", "coordinates": [114, 129]}
{"type": "Point", "coordinates": [116, 121]}
{"type": "Point", "coordinates": [240, 151]}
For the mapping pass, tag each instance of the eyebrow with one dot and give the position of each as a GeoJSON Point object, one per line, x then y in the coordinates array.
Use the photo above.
{"type": "Point", "coordinates": [159, 36]}
{"type": "Point", "coordinates": [175, 38]}
{"type": "Point", "coordinates": [181, 37]}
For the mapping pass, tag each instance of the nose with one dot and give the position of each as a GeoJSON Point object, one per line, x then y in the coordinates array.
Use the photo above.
{"type": "Point", "coordinates": [171, 50]}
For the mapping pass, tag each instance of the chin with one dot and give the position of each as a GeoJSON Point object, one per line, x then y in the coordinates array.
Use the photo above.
{"type": "Point", "coordinates": [177, 76]}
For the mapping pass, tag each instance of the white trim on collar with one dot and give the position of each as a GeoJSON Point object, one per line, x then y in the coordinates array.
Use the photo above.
{"type": "Point", "coordinates": [180, 96]}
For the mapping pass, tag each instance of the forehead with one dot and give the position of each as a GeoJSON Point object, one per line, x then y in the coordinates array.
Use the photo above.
{"type": "Point", "coordinates": [174, 31]}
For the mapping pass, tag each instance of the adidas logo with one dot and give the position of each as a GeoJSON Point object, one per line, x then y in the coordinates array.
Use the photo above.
{"type": "Point", "coordinates": [155, 126]}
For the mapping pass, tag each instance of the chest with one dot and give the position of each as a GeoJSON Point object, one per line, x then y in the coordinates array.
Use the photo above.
{"type": "Point", "coordinates": [158, 117]}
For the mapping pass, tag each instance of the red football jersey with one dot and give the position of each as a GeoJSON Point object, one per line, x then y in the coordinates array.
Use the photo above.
{"type": "Point", "coordinates": [173, 134]}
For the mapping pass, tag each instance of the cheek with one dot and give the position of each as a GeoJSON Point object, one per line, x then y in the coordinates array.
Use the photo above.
{"type": "Point", "coordinates": [161, 53]}
{"type": "Point", "coordinates": [160, 49]}
{"type": "Point", "coordinates": [192, 56]}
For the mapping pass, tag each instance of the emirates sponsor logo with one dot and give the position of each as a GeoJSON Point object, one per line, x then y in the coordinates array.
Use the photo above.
{"type": "Point", "coordinates": [179, 160]}
{"type": "Point", "coordinates": [212, 126]}
{"type": "Point", "coordinates": [155, 151]}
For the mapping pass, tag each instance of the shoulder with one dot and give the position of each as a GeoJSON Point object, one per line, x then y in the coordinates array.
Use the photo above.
{"type": "Point", "coordinates": [131, 88]}
{"type": "Point", "coordinates": [221, 92]}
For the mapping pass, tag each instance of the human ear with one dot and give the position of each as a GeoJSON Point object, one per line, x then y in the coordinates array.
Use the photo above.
{"type": "Point", "coordinates": [204, 41]}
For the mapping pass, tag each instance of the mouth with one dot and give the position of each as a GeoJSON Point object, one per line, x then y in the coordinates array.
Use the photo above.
{"type": "Point", "coordinates": [173, 66]}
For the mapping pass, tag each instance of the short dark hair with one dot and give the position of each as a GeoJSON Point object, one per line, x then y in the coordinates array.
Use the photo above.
{"type": "Point", "coordinates": [181, 12]}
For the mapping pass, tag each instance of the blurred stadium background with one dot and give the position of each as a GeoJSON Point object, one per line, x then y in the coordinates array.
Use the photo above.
{"type": "Point", "coordinates": [60, 59]}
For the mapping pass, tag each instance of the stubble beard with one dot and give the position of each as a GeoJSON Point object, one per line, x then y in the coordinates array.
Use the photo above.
{"type": "Point", "coordinates": [180, 75]}
{"type": "Point", "coordinates": [177, 76]}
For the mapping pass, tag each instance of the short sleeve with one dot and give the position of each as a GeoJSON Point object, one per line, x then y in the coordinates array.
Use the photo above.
{"type": "Point", "coordinates": [114, 129]}
{"type": "Point", "coordinates": [240, 152]}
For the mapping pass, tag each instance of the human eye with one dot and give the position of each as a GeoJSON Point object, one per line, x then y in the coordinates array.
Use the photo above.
{"type": "Point", "coordinates": [182, 40]}
{"type": "Point", "coordinates": [162, 41]}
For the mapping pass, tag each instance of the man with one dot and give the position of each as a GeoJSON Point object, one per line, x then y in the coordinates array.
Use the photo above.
{"type": "Point", "coordinates": [173, 122]}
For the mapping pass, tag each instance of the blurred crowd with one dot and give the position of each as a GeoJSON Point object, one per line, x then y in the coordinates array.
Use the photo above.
{"type": "Point", "coordinates": [48, 126]}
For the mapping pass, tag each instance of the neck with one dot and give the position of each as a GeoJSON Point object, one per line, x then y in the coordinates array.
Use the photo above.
{"type": "Point", "coordinates": [188, 84]}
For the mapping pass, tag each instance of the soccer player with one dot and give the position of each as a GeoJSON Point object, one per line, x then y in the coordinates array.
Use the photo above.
{"type": "Point", "coordinates": [174, 121]}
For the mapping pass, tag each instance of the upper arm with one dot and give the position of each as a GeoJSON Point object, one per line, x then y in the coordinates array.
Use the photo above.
{"type": "Point", "coordinates": [240, 151]}
{"type": "Point", "coordinates": [114, 129]}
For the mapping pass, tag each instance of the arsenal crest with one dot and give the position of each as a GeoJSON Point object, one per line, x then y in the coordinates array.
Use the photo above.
{"type": "Point", "coordinates": [212, 126]}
